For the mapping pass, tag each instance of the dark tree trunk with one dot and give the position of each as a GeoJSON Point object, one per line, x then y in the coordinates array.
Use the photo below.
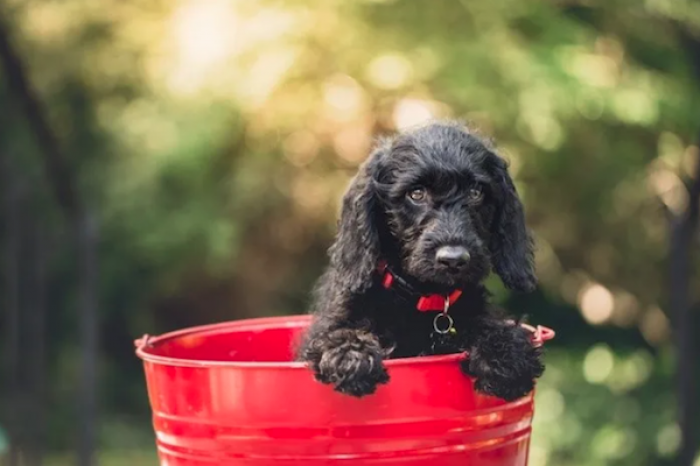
{"type": "Point", "coordinates": [11, 271]}
{"type": "Point", "coordinates": [683, 230]}
{"type": "Point", "coordinates": [87, 244]}
{"type": "Point", "coordinates": [36, 337]}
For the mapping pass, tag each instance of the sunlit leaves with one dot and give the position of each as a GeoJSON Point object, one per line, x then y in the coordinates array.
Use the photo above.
{"type": "Point", "coordinates": [602, 410]}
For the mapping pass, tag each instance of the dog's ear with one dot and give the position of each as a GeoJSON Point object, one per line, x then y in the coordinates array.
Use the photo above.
{"type": "Point", "coordinates": [511, 245]}
{"type": "Point", "coordinates": [355, 253]}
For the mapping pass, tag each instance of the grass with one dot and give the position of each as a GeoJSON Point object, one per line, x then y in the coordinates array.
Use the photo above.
{"type": "Point", "coordinates": [110, 458]}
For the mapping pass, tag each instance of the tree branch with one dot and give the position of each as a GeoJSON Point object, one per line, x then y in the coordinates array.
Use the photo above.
{"type": "Point", "coordinates": [55, 165]}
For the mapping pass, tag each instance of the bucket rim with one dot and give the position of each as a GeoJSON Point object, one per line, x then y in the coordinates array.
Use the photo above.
{"type": "Point", "coordinates": [295, 321]}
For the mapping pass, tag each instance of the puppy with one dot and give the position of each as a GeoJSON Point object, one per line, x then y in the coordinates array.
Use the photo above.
{"type": "Point", "coordinates": [429, 215]}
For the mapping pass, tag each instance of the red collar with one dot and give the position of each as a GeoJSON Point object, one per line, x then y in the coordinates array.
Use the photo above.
{"type": "Point", "coordinates": [432, 302]}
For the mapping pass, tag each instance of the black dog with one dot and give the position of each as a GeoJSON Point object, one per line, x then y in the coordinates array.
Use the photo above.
{"type": "Point", "coordinates": [422, 224]}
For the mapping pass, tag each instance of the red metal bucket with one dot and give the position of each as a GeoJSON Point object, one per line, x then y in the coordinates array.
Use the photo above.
{"type": "Point", "coordinates": [227, 394]}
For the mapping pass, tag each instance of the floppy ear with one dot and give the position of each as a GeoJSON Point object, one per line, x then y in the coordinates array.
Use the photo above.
{"type": "Point", "coordinates": [511, 245]}
{"type": "Point", "coordinates": [355, 252]}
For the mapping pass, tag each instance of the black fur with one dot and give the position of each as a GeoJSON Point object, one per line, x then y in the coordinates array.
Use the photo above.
{"type": "Point", "coordinates": [357, 322]}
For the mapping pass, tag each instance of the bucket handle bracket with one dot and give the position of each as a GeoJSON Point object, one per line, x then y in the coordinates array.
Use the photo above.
{"type": "Point", "coordinates": [143, 342]}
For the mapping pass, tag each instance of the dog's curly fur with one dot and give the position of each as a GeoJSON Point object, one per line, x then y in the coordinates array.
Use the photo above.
{"type": "Point", "coordinates": [467, 199]}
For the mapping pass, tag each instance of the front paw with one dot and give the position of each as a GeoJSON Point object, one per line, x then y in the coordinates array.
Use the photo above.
{"type": "Point", "coordinates": [354, 367]}
{"type": "Point", "coordinates": [505, 364]}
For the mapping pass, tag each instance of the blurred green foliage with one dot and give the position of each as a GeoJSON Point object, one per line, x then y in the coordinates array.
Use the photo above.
{"type": "Point", "coordinates": [215, 138]}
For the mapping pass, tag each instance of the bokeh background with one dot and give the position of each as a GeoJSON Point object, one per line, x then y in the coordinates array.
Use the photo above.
{"type": "Point", "coordinates": [167, 163]}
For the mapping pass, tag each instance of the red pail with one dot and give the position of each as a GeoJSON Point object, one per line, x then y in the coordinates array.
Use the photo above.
{"type": "Point", "coordinates": [228, 394]}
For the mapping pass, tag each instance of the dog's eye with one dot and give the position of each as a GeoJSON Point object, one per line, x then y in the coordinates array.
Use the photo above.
{"type": "Point", "coordinates": [418, 195]}
{"type": "Point", "coordinates": [476, 194]}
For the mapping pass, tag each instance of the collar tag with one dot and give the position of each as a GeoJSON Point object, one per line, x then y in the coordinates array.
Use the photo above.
{"type": "Point", "coordinates": [443, 324]}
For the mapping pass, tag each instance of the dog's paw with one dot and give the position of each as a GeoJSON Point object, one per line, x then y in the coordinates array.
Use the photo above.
{"type": "Point", "coordinates": [353, 366]}
{"type": "Point", "coordinates": [505, 364]}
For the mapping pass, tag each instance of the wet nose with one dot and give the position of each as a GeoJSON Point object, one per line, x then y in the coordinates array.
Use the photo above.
{"type": "Point", "coordinates": [452, 256]}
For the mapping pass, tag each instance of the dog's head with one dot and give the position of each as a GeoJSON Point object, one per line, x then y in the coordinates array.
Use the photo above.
{"type": "Point", "coordinates": [439, 202]}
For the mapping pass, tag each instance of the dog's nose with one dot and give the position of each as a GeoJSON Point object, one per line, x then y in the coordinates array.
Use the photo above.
{"type": "Point", "coordinates": [452, 256]}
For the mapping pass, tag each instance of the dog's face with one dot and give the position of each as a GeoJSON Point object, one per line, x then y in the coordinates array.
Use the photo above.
{"type": "Point", "coordinates": [440, 204]}
{"type": "Point", "coordinates": [440, 201]}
